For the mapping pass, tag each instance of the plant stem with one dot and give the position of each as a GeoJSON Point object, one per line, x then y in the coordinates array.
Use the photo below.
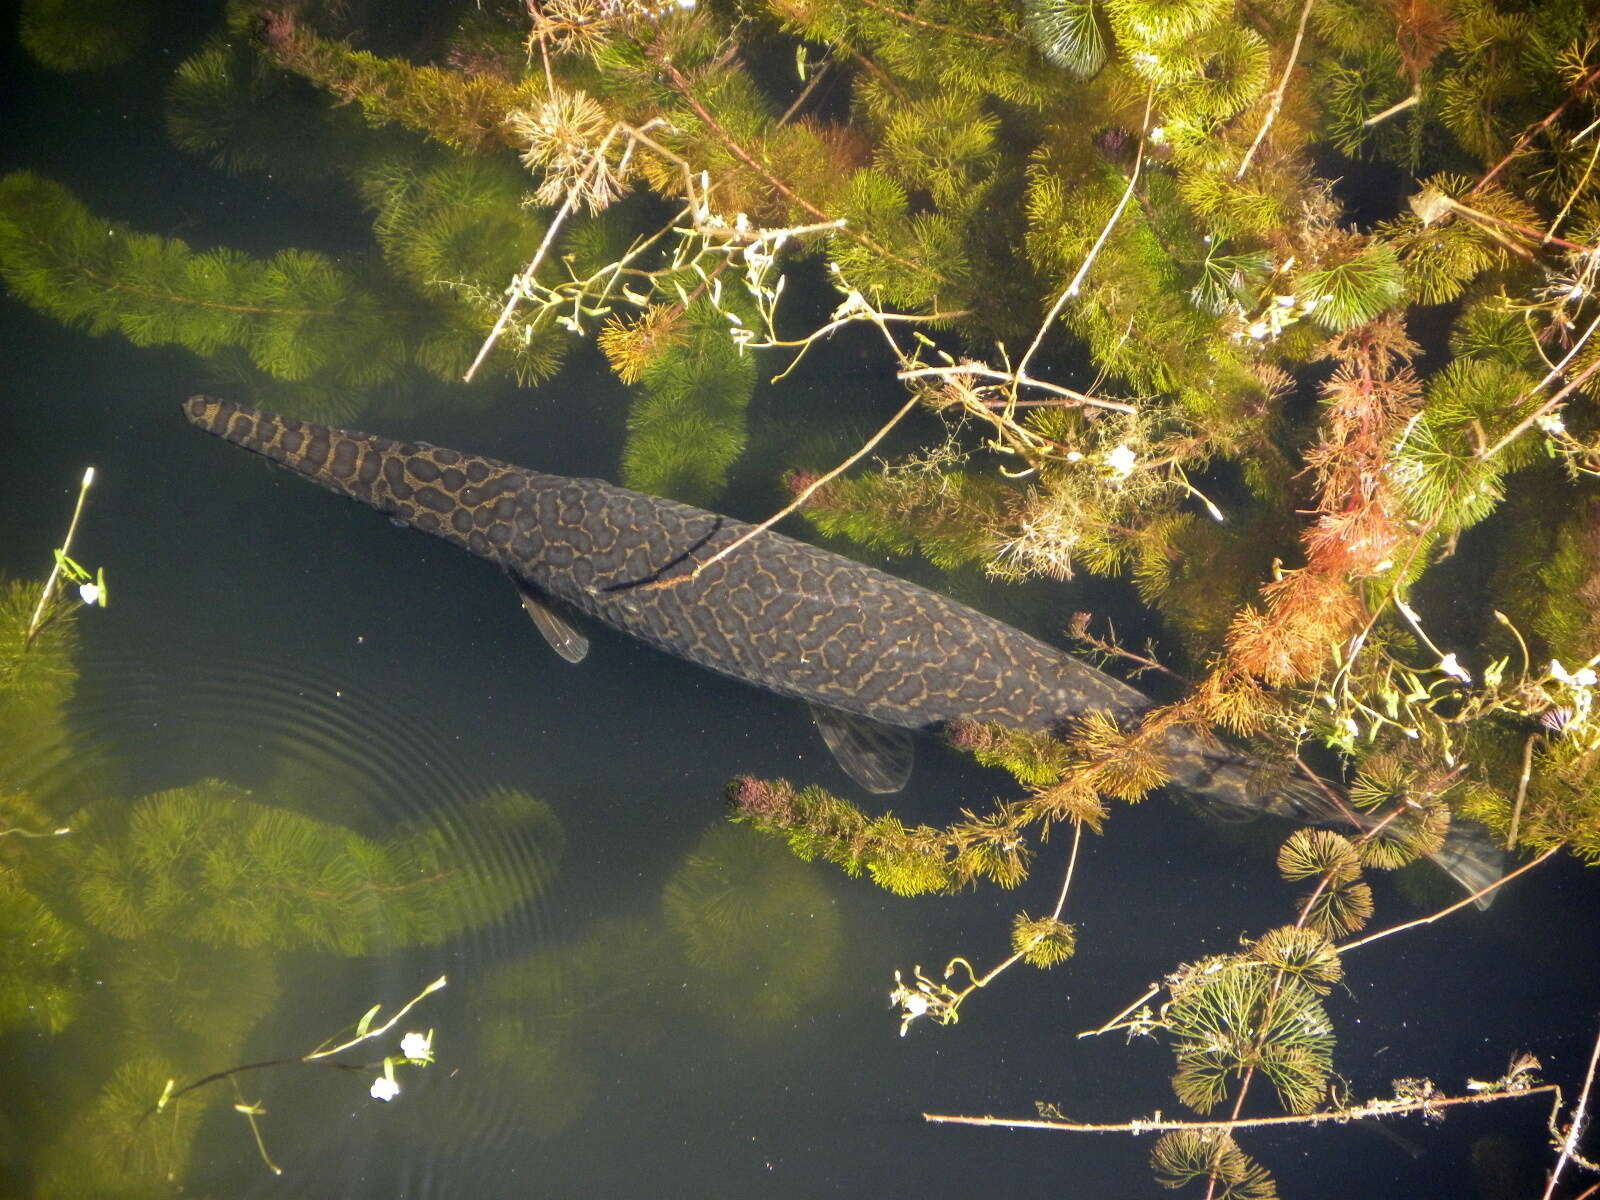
{"type": "Point", "coordinates": [1459, 904]}
{"type": "Point", "coordinates": [1569, 1143]}
{"type": "Point", "coordinates": [1278, 92]}
{"type": "Point", "coordinates": [55, 571]}
{"type": "Point", "coordinates": [1158, 1124]}
{"type": "Point", "coordinates": [1071, 289]}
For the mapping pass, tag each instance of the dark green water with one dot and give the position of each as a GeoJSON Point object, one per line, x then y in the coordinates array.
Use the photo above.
{"type": "Point", "coordinates": [588, 1043]}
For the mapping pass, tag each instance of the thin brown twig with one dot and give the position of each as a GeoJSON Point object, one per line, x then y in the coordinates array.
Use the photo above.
{"type": "Point", "coordinates": [1019, 379]}
{"type": "Point", "coordinates": [1578, 189]}
{"type": "Point", "coordinates": [1277, 93]}
{"type": "Point", "coordinates": [913, 20]}
{"type": "Point", "coordinates": [1410, 101]}
{"type": "Point", "coordinates": [1155, 990]}
{"type": "Point", "coordinates": [1490, 224]}
{"type": "Point", "coordinates": [804, 494]}
{"type": "Point", "coordinates": [1534, 130]}
{"type": "Point", "coordinates": [1338, 1116]}
{"type": "Point", "coordinates": [805, 93]}
{"type": "Point", "coordinates": [681, 84]}
{"type": "Point", "coordinates": [1522, 787]}
{"type": "Point", "coordinates": [1071, 289]}
{"type": "Point", "coordinates": [1569, 1143]}
{"type": "Point", "coordinates": [1460, 904]}
{"type": "Point", "coordinates": [518, 288]}
{"type": "Point", "coordinates": [1555, 400]}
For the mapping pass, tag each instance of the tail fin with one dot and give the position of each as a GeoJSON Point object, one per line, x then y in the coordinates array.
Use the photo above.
{"type": "Point", "coordinates": [1468, 855]}
{"type": "Point", "coordinates": [1470, 858]}
{"type": "Point", "coordinates": [463, 498]}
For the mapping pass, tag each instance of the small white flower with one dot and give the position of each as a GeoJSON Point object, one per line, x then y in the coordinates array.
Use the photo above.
{"type": "Point", "coordinates": [1121, 460]}
{"type": "Point", "coordinates": [417, 1046]}
{"type": "Point", "coordinates": [1551, 423]}
{"type": "Point", "coordinates": [1450, 666]}
{"type": "Point", "coordinates": [1583, 677]}
{"type": "Point", "coordinates": [89, 593]}
{"type": "Point", "coordinates": [1074, 456]}
{"type": "Point", "coordinates": [384, 1088]}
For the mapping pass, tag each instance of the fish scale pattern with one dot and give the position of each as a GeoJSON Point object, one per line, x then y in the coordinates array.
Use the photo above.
{"type": "Point", "coordinates": [776, 612]}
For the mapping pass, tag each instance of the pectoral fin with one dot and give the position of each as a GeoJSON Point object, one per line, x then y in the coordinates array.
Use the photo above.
{"type": "Point", "coordinates": [875, 755]}
{"type": "Point", "coordinates": [563, 638]}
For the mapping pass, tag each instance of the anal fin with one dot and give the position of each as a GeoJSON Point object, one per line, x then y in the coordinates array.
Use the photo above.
{"type": "Point", "coordinates": [875, 755]}
{"type": "Point", "coordinates": [557, 630]}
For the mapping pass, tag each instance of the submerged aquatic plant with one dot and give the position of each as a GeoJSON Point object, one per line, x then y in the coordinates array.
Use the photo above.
{"type": "Point", "coordinates": [1135, 182]}
{"type": "Point", "coordinates": [758, 930]}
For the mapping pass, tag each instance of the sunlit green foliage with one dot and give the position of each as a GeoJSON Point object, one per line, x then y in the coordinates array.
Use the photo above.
{"type": "Point", "coordinates": [944, 515]}
{"type": "Point", "coordinates": [1314, 852]}
{"type": "Point", "coordinates": [1213, 1159]}
{"type": "Point", "coordinates": [686, 427]}
{"type": "Point", "coordinates": [817, 824]}
{"type": "Point", "coordinates": [1441, 467]}
{"type": "Point", "coordinates": [1042, 941]}
{"type": "Point", "coordinates": [1068, 33]}
{"type": "Point", "coordinates": [1234, 1015]}
{"type": "Point", "coordinates": [462, 111]}
{"type": "Point", "coordinates": [1356, 290]}
{"type": "Point", "coordinates": [456, 230]}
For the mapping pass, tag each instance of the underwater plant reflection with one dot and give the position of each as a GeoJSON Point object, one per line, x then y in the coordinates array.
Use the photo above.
{"type": "Point", "coordinates": [757, 928]}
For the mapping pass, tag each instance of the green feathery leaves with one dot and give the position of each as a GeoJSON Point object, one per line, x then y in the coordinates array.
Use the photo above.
{"type": "Point", "coordinates": [686, 427]}
{"type": "Point", "coordinates": [1214, 1158]}
{"type": "Point", "coordinates": [1042, 941]}
{"type": "Point", "coordinates": [297, 315]}
{"type": "Point", "coordinates": [1068, 33]}
{"type": "Point", "coordinates": [1355, 291]}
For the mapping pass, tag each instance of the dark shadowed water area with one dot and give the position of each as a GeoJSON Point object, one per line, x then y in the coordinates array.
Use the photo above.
{"type": "Point", "coordinates": [319, 660]}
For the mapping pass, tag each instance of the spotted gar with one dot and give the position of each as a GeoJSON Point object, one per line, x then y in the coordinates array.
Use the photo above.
{"type": "Point", "coordinates": [872, 653]}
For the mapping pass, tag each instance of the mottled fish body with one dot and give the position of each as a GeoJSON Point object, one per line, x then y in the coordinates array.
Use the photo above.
{"type": "Point", "coordinates": [869, 651]}
{"type": "Point", "coordinates": [775, 612]}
